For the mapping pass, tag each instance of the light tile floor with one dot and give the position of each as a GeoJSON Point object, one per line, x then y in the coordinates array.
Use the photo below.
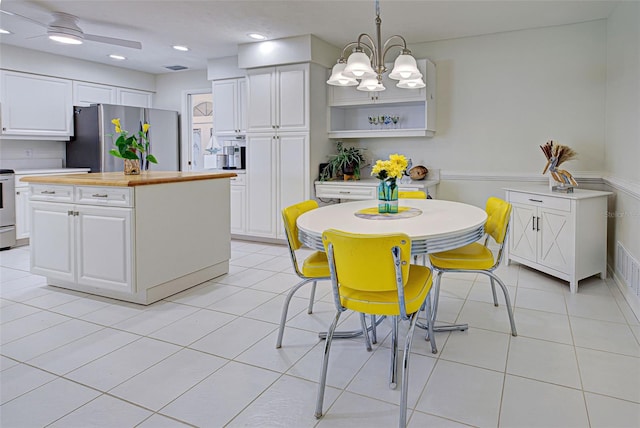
{"type": "Point", "coordinates": [207, 357]}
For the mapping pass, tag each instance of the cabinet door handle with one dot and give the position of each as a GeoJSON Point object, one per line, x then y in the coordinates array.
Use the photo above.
{"type": "Point", "coordinates": [538, 224]}
{"type": "Point", "coordinates": [98, 195]}
{"type": "Point", "coordinates": [533, 223]}
{"type": "Point", "coordinates": [48, 192]}
{"type": "Point", "coordinates": [537, 200]}
{"type": "Point", "coordinates": [70, 212]}
{"type": "Point", "coordinates": [344, 192]}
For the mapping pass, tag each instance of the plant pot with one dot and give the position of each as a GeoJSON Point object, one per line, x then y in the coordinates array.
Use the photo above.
{"type": "Point", "coordinates": [131, 166]}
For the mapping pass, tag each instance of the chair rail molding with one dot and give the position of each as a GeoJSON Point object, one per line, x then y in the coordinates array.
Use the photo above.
{"type": "Point", "coordinates": [584, 177]}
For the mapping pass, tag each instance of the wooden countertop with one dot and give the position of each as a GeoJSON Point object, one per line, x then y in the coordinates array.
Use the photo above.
{"type": "Point", "coordinates": [118, 179]}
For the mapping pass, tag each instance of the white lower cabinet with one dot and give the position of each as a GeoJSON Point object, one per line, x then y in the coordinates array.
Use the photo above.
{"type": "Point", "coordinates": [23, 215]}
{"type": "Point", "coordinates": [238, 195]}
{"type": "Point", "coordinates": [564, 235]}
{"type": "Point", "coordinates": [84, 244]}
{"type": "Point", "coordinates": [276, 178]}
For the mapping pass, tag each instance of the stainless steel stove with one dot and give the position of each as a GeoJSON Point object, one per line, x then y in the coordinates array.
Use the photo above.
{"type": "Point", "coordinates": [7, 209]}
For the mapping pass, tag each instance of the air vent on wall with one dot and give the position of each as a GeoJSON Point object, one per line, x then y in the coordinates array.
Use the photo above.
{"type": "Point", "coordinates": [175, 67]}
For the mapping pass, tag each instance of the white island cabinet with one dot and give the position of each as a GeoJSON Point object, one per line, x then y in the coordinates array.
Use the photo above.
{"type": "Point", "coordinates": [134, 238]}
{"type": "Point", "coordinates": [561, 234]}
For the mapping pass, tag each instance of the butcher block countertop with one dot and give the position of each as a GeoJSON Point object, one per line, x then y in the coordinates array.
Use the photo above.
{"type": "Point", "coordinates": [118, 179]}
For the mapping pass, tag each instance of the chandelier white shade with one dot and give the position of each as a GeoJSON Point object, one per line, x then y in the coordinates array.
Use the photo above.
{"type": "Point", "coordinates": [371, 85]}
{"type": "Point", "coordinates": [367, 62]}
{"type": "Point", "coordinates": [404, 68]}
{"type": "Point", "coordinates": [338, 78]}
{"type": "Point", "coordinates": [411, 84]}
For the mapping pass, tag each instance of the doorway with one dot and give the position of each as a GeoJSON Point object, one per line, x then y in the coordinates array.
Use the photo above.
{"type": "Point", "coordinates": [197, 130]}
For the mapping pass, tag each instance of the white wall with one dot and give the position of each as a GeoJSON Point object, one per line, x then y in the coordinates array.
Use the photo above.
{"type": "Point", "coordinates": [30, 61]}
{"type": "Point", "coordinates": [501, 96]}
{"type": "Point", "coordinates": [622, 151]}
{"type": "Point", "coordinates": [170, 86]}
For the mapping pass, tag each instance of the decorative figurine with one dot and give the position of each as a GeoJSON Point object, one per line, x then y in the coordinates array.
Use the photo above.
{"type": "Point", "coordinates": [557, 154]}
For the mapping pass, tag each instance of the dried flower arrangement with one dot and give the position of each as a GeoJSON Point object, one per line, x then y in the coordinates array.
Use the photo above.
{"type": "Point", "coordinates": [556, 155]}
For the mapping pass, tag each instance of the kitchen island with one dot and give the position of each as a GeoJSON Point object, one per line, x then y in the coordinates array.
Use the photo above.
{"type": "Point", "coordinates": [136, 238]}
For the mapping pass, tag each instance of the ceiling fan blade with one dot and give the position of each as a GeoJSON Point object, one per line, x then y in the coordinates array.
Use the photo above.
{"type": "Point", "coordinates": [33, 21]}
{"type": "Point", "coordinates": [113, 41]}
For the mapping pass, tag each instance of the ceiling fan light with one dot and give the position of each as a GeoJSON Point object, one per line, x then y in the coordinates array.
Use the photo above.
{"type": "Point", "coordinates": [411, 84]}
{"type": "Point", "coordinates": [180, 48]}
{"type": "Point", "coordinates": [67, 39]}
{"type": "Point", "coordinates": [338, 78]}
{"type": "Point", "coordinates": [358, 66]}
{"type": "Point", "coordinates": [405, 68]}
{"type": "Point", "coordinates": [117, 57]}
{"type": "Point", "coordinates": [3, 31]}
{"type": "Point", "coordinates": [371, 85]}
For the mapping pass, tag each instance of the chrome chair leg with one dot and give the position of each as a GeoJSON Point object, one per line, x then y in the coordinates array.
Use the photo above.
{"type": "Point", "coordinates": [493, 290]}
{"type": "Point", "coordinates": [325, 363]}
{"type": "Point", "coordinates": [436, 297]}
{"type": "Point", "coordinates": [374, 330]}
{"type": "Point", "coordinates": [350, 334]}
{"type": "Point", "coordinates": [393, 374]}
{"type": "Point", "coordinates": [405, 371]}
{"type": "Point", "coordinates": [430, 336]}
{"type": "Point", "coordinates": [312, 297]}
{"type": "Point", "coordinates": [363, 322]}
{"type": "Point", "coordinates": [285, 310]}
{"type": "Point", "coordinates": [507, 301]}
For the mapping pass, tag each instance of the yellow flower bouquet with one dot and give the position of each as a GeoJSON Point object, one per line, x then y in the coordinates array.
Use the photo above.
{"type": "Point", "coordinates": [388, 171]}
{"type": "Point", "coordinates": [133, 147]}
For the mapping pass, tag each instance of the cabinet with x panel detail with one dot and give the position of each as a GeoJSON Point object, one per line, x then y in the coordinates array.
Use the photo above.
{"type": "Point", "coordinates": [564, 235]}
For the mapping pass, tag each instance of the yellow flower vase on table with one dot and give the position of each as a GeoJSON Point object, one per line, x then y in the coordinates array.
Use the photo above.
{"type": "Point", "coordinates": [388, 171]}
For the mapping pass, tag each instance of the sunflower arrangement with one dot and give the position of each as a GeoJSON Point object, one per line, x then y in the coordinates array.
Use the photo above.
{"type": "Point", "coordinates": [132, 146]}
{"type": "Point", "coordinates": [390, 169]}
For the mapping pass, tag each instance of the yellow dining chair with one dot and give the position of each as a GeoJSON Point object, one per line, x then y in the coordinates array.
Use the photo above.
{"type": "Point", "coordinates": [412, 194]}
{"type": "Point", "coordinates": [372, 274]}
{"type": "Point", "coordinates": [314, 268]}
{"type": "Point", "coordinates": [478, 258]}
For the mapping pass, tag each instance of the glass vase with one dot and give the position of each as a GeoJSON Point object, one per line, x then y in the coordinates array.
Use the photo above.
{"type": "Point", "coordinates": [131, 166]}
{"type": "Point", "coordinates": [388, 197]}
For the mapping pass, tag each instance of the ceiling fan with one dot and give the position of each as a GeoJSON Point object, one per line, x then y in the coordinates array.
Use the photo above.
{"type": "Point", "coordinates": [64, 29]}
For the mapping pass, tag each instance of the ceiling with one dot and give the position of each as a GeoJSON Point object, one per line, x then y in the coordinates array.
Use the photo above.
{"type": "Point", "coordinates": [213, 29]}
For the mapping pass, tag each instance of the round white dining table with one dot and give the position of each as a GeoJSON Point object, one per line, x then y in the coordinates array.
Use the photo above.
{"type": "Point", "coordinates": [433, 225]}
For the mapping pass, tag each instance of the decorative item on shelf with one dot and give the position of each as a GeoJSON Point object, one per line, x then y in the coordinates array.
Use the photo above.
{"type": "Point", "coordinates": [418, 172]}
{"type": "Point", "coordinates": [133, 149]}
{"type": "Point", "coordinates": [347, 162]}
{"type": "Point", "coordinates": [388, 171]}
{"type": "Point", "coordinates": [384, 120]}
{"type": "Point", "coordinates": [369, 67]}
{"type": "Point", "coordinates": [556, 155]}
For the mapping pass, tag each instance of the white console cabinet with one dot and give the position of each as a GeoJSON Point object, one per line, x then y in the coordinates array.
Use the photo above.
{"type": "Point", "coordinates": [564, 235]}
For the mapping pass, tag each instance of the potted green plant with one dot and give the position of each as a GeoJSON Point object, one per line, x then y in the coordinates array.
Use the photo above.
{"type": "Point", "coordinates": [347, 162]}
{"type": "Point", "coordinates": [133, 149]}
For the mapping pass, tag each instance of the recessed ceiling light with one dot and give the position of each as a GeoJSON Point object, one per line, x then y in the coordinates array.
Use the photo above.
{"type": "Point", "coordinates": [117, 57]}
{"type": "Point", "coordinates": [257, 36]}
{"type": "Point", "coordinates": [180, 48]}
{"type": "Point", "coordinates": [2, 31]}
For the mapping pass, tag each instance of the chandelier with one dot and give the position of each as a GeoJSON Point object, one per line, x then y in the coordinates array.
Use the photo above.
{"type": "Point", "coordinates": [365, 66]}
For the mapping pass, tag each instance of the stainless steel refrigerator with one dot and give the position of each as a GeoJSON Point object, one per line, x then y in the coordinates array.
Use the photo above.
{"type": "Point", "coordinates": [94, 136]}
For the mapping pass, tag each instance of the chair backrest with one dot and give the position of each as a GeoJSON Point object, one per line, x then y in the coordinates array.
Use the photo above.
{"type": "Point", "coordinates": [412, 194]}
{"type": "Point", "coordinates": [498, 215]}
{"type": "Point", "coordinates": [366, 262]}
{"type": "Point", "coordinates": [290, 216]}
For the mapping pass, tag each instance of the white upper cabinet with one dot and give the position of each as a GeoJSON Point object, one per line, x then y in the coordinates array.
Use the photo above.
{"type": "Point", "coordinates": [134, 98]}
{"type": "Point", "coordinates": [229, 117]}
{"type": "Point", "coordinates": [86, 93]}
{"type": "Point", "coordinates": [278, 99]}
{"type": "Point", "coordinates": [352, 112]}
{"type": "Point", "coordinates": [36, 106]}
